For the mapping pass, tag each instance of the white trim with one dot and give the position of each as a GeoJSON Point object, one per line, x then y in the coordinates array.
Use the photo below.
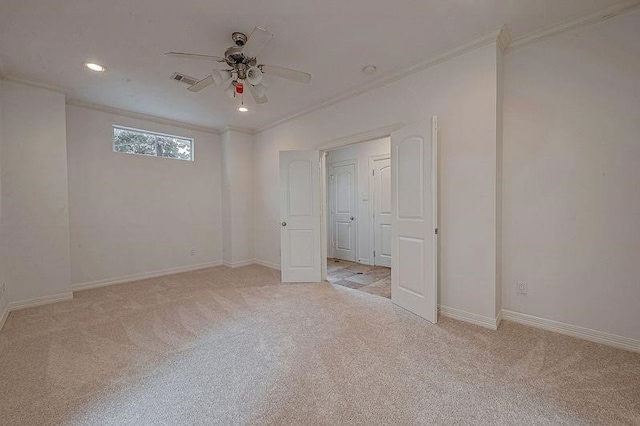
{"type": "Point", "coordinates": [596, 336]}
{"type": "Point", "coordinates": [575, 23]}
{"type": "Point", "coordinates": [142, 276]}
{"type": "Point", "coordinates": [369, 135]}
{"type": "Point", "coordinates": [31, 83]}
{"type": "Point", "coordinates": [436, 206]}
{"type": "Point", "coordinates": [459, 50]}
{"type": "Point", "coordinates": [238, 264]}
{"type": "Point", "coordinates": [504, 39]}
{"type": "Point", "coordinates": [33, 302]}
{"type": "Point", "coordinates": [267, 264]}
{"type": "Point", "coordinates": [499, 319]}
{"type": "Point", "coordinates": [142, 116]}
{"type": "Point", "coordinates": [5, 315]}
{"type": "Point", "coordinates": [38, 301]}
{"type": "Point", "coordinates": [482, 321]}
{"type": "Point", "coordinates": [246, 131]}
{"type": "Point", "coordinates": [323, 216]}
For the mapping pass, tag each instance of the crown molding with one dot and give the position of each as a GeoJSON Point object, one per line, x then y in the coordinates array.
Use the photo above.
{"type": "Point", "coordinates": [501, 36]}
{"type": "Point", "coordinates": [369, 135]}
{"type": "Point", "coordinates": [31, 83]}
{"type": "Point", "coordinates": [244, 130]}
{"type": "Point", "coordinates": [107, 109]}
{"type": "Point", "coordinates": [470, 45]}
{"type": "Point", "coordinates": [504, 38]}
{"type": "Point", "coordinates": [142, 116]}
{"type": "Point", "coordinates": [575, 23]}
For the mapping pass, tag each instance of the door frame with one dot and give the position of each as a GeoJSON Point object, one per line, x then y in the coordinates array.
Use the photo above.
{"type": "Point", "coordinates": [330, 241]}
{"type": "Point", "coordinates": [366, 136]}
{"type": "Point", "coordinates": [371, 135]}
{"type": "Point", "coordinates": [372, 225]}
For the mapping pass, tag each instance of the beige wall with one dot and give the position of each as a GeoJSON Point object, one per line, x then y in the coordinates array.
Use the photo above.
{"type": "Point", "coordinates": [571, 224]}
{"type": "Point", "coordinates": [133, 214]}
{"type": "Point", "coordinates": [463, 93]}
{"type": "Point", "coordinates": [35, 216]}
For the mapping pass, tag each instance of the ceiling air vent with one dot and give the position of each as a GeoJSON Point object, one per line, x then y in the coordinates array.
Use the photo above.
{"type": "Point", "coordinates": [184, 78]}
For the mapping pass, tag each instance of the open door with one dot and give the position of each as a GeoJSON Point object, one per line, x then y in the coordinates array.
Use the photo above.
{"type": "Point", "coordinates": [414, 236]}
{"type": "Point", "coordinates": [343, 200]}
{"type": "Point", "coordinates": [300, 237]}
{"type": "Point", "coordinates": [381, 180]}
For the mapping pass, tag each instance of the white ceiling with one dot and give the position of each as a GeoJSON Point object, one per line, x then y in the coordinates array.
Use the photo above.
{"type": "Point", "coordinates": [48, 41]}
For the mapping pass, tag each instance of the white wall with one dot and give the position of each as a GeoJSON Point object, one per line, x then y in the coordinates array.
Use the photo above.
{"type": "Point", "coordinates": [463, 93]}
{"type": "Point", "coordinates": [134, 214]}
{"type": "Point", "coordinates": [361, 153]}
{"type": "Point", "coordinates": [237, 196]}
{"type": "Point", "coordinates": [35, 216]}
{"type": "Point", "coordinates": [571, 207]}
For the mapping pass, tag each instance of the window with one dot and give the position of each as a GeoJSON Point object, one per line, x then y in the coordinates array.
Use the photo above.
{"type": "Point", "coordinates": [134, 141]}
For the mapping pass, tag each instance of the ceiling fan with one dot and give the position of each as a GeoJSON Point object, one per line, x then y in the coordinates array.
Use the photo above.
{"type": "Point", "coordinates": [243, 70]}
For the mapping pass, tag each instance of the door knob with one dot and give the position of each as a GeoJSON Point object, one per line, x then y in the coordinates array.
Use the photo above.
{"type": "Point", "coordinates": [284, 223]}
{"type": "Point", "coordinates": [352, 218]}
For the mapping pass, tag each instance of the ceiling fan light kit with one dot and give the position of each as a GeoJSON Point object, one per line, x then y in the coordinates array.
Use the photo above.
{"type": "Point", "coordinates": [94, 67]}
{"type": "Point", "coordinates": [244, 68]}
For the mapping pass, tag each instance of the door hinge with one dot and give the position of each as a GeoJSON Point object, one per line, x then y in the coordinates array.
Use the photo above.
{"type": "Point", "coordinates": [374, 172]}
{"type": "Point", "coordinates": [374, 253]}
{"type": "Point", "coordinates": [436, 231]}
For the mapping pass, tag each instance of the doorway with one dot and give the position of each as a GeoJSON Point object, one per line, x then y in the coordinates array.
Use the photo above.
{"type": "Point", "coordinates": [381, 210]}
{"type": "Point", "coordinates": [358, 181]}
{"type": "Point", "coordinates": [342, 184]}
{"type": "Point", "coordinates": [304, 222]}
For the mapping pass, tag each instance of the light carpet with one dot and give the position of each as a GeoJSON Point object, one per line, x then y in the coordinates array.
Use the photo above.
{"type": "Point", "coordinates": [236, 346]}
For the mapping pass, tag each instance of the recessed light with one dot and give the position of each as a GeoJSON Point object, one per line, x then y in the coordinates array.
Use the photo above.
{"type": "Point", "coordinates": [369, 69]}
{"type": "Point", "coordinates": [94, 67]}
{"type": "Point", "coordinates": [243, 108]}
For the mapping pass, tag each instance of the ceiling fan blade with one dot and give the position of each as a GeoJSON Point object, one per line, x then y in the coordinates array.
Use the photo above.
{"type": "Point", "coordinates": [258, 39]}
{"type": "Point", "coordinates": [195, 56]}
{"type": "Point", "coordinates": [207, 81]}
{"type": "Point", "coordinates": [256, 96]}
{"type": "Point", "coordinates": [289, 74]}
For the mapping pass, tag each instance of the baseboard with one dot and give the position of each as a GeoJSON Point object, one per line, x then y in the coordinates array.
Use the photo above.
{"type": "Point", "coordinates": [30, 303]}
{"type": "Point", "coordinates": [573, 330]}
{"type": "Point", "coordinates": [482, 321]}
{"type": "Point", "coordinates": [38, 301]}
{"type": "Point", "coordinates": [267, 264]}
{"type": "Point", "coordinates": [238, 264]}
{"type": "Point", "coordinates": [5, 315]}
{"type": "Point", "coordinates": [142, 276]}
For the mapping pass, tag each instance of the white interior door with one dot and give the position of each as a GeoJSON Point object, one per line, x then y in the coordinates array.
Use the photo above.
{"type": "Point", "coordinates": [300, 239]}
{"type": "Point", "coordinates": [414, 239]}
{"type": "Point", "coordinates": [382, 212]}
{"type": "Point", "coordinates": [342, 184]}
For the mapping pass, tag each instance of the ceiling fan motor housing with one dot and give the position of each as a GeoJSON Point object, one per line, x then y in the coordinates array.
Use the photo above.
{"type": "Point", "coordinates": [240, 39]}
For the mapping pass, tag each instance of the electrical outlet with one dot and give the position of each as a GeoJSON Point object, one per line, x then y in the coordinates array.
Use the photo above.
{"type": "Point", "coordinates": [522, 287]}
{"type": "Point", "coordinates": [192, 252]}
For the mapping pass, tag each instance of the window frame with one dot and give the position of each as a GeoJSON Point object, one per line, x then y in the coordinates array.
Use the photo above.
{"type": "Point", "coordinates": [151, 132]}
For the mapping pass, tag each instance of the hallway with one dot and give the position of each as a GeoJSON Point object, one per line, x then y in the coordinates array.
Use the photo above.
{"type": "Point", "coordinates": [370, 279]}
